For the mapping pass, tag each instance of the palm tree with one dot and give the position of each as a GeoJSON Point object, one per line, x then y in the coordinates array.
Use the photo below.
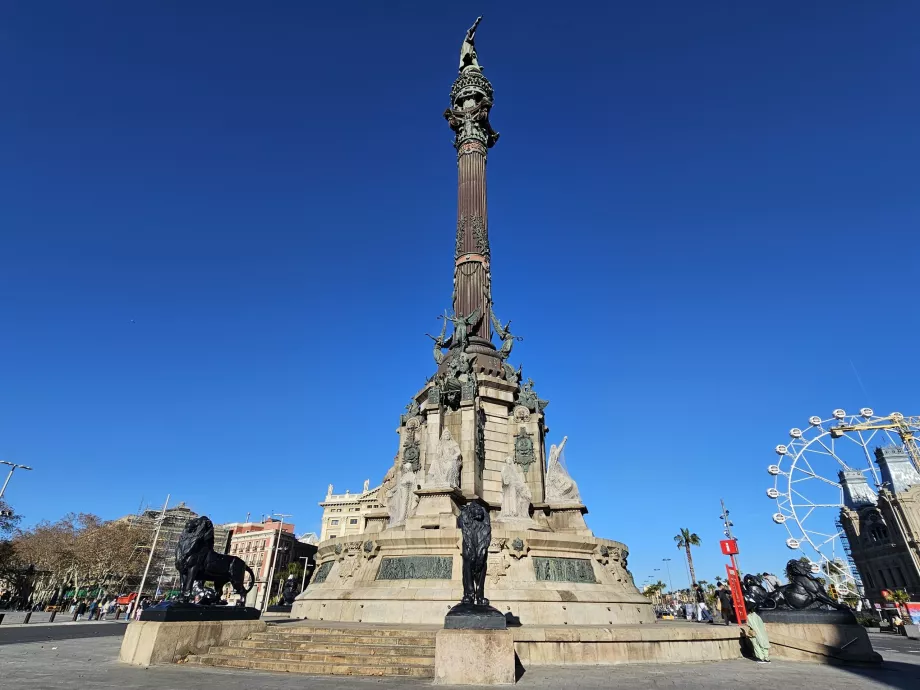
{"type": "Point", "coordinates": [685, 540]}
{"type": "Point", "coordinates": [899, 597]}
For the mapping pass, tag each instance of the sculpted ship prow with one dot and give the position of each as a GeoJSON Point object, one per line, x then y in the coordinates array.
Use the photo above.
{"type": "Point", "coordinates": [473, 442]}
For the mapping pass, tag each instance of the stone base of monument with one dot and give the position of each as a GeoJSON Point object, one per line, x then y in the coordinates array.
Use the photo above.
{"type": "Point", "coordinates": [830, 637]}
{"type": "Point", "coordinates": [474, 657]}
{"type": "Point", "coordinates": [147, 642]}
{"type": "Point", "coordinates": [414, 576]}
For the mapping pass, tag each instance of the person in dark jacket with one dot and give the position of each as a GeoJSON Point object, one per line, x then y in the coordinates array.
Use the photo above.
{"type": "Point", "coordinates": [81, 610]}
{"type": "Point", "coordinates": [725, 602]}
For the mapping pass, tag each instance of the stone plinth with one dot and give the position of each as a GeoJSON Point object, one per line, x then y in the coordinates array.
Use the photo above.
{"type": "Point", "coordinates": [147, 643]}
{"type": "Point", "coordinates": [658, 643]}
{"type": "Point", "coordinates": [562, 517]}
{"type": "Point", "coordinates": [474, 657]}
{"type": "Point", "coordinates": [826, 643]}
{"type": "Point", "coordinates": [438, 508]}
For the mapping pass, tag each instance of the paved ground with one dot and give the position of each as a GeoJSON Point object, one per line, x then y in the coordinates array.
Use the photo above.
{"type": "Point", "coordinates": [66, 662]}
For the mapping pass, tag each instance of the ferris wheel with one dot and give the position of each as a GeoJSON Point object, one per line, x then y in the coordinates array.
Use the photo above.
{"type": "Point", "coordinates": [807, 482]}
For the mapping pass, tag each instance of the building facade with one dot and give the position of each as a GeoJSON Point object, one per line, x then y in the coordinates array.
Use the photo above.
{"type": "Point", "coordinates": [256, 543]}
{"type": "Point", "coordinates": [346, 514]}
{"type": "Point", "coordinates": [883, 528]}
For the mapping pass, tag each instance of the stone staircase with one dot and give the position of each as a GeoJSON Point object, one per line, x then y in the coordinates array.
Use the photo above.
{"type": "Point", "coordinates": [329, 650]}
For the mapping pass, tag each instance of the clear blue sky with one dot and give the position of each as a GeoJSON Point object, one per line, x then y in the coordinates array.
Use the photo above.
{"type": "Point", "coordinates": [227, 226]}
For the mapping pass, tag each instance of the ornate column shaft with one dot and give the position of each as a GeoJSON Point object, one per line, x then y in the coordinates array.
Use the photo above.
{"type": "Point", "coordinates": [468, 116]}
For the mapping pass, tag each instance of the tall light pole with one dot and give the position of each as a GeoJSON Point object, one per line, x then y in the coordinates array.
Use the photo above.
{"type": "Point", "coordinates": [303, 585]}
{"type": "Point", "coordinates": [271, 572]}
{"type": "Point", "coordinates": [667, 562]}
{"type": "Point", "coordinates": [13, 468]}
{"type": "Point", "coordinates": [728, 532]}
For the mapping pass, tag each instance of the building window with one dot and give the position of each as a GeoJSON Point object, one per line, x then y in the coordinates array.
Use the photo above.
{"type": "Point", "coordinates": [332, 536]}
{"type": "Point", "coordinates": [897, 569]}
{"type": "Point", "coordinates": [333, 522]}
{"type": "Point", "coordinates": [353, 521]}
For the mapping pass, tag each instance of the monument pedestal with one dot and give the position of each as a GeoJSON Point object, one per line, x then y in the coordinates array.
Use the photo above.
{"type": "Point", "coordinates": [153, 642]}
{"type": "Point", "coordinates": [829, 637]}
{"type": "Point", "coordinates": [438, 508]}
{"type": "Point", "coordinates": [474, 657]}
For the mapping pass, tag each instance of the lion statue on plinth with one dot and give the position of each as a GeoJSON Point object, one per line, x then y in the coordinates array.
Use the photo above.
{"type": "Point", "coordinates": [804, 591]}
{"type": "Point", "coordinates": [198, 562]}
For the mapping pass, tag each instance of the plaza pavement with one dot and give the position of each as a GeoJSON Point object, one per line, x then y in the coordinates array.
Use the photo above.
{"type": "Point", "coordinates": [81, 656]}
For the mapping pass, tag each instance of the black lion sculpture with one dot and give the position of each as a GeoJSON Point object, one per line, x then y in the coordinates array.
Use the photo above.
{"type": "Point", "coordinates": [802, 592]}
{"type": "Point", "coordinates": [476, 528]}
{"type": "Point", "coordinates": [198, 562]}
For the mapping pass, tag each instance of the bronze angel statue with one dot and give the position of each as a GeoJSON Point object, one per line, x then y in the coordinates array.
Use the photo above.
{"type": "Point", "coordinates": [505, 335]}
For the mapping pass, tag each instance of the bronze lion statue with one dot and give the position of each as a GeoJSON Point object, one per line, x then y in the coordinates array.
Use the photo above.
{"type": "Point", "coordinates": [804, 591]}
{"type": "Point", "coordinates": [198, 562]}
{"type": "Point", "coordinates": [476, 528]}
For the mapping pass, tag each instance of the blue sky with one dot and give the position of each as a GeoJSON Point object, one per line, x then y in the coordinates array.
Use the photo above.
{"type": "Point", "coordinates": [227, 226]}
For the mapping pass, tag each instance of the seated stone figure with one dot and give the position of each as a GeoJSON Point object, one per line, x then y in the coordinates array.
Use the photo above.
{"type": "Point", "coordinates": [444, 471]}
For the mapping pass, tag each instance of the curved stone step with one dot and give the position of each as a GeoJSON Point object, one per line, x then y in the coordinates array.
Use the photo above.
{"type": "Point", "coordinates": [313, 668]}
{"type": "Point", "coordinates": [340, 639]}
{"type": "Point", "coordinates": [348, 657]}
{"type": "Point", "coordinates": [368, 649]}
{"type": "Point", "coordinates": [357, 631]}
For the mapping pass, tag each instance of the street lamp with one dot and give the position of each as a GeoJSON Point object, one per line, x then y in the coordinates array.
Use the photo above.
{"type": "Point", "coordinates": [13, 468]}
{"type": "Point", "coordinates": [271, 572]}
{"type": "Point", "coordinates": [668, 566]}
{"type": "Point", "coordinates": [303, 584]}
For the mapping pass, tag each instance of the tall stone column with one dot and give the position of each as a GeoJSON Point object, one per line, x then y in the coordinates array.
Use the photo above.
{"type": "Point", "coordinates": [468, 116]}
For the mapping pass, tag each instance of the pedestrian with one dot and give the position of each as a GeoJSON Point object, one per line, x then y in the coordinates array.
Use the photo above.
{"type": "Point", "coordinates": [773, 580]}
{"type": "Point", "coordinates": [81, 610]}
{"type": "Point", "coordinates": [766, 584]}
{"type": "Point", "coordinates": [725, 602]}
{"type": "Point", "coordinates": [92, 609]}
{"type": "Point", "coordinates": [701, 608]}
{"type": "Point", "coordinates": [756, 632]}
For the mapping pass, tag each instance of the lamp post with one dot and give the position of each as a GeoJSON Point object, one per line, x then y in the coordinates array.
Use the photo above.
{"type": "Point", "coordinates": [728, 524]}
{"type": "Point", "coordinates": [13, 468]}
{"type": "Point", "coordinates": [303, 584]}
{"type": "Point", "coordinates": [271, 572]}
{"type": "Point", "coordinates": [667, 562]}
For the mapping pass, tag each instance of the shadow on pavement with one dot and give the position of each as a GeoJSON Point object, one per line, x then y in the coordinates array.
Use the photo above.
{"type": "Point", "coordinates": [50, 633]}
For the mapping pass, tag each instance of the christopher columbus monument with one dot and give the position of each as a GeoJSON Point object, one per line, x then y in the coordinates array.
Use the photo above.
{"type": "Point", "coordinates": [476, 432]}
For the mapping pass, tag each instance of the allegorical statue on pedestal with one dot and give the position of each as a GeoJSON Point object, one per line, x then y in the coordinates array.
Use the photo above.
{"type": "Point", "coordinates": [444, 471]}
{"type": "Point", "coordinates": [460, 338]}
{"type": "Point", "coordinates": [516, 495]}
{"type": "Point", "coordinates": [560, 487]}
{"type": "Point", "coordinates": [401, 499]}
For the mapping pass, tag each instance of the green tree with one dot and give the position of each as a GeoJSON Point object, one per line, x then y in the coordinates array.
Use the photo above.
{"type": "Point", "coordinates": [685, 540]}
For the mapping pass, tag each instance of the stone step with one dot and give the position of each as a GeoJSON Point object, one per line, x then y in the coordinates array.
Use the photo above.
{"type": "Point", "coordinates": [369, 649]}
{"type": "Point", "coordinates": [325, 638]}
{"type": "Point", "coordinates": [352, 656]}
{"type": "Point", "coordinates": [314, 668]}
{"type": "Point", "coordinates": [358, 632]}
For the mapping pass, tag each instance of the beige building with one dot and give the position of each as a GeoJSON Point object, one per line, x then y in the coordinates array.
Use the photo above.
{"type": "Point", "coordinates": [345, 514]}
{"type": "Point", "coordinates": [883, 528]}
{"type": "Point", "coordinates": [255, 543]}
